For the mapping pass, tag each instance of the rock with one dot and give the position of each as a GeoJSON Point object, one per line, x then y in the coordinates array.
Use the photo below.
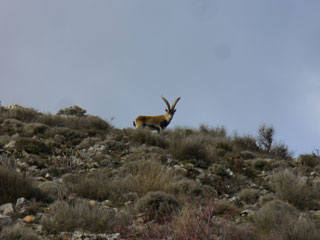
{"type": "Point", "coordinates": [230, 173]}
{"type": "Point", "coordinates": [20, 202]}
{"type": "Point", "coordinates": [180, 170]}
{"type": "Point", "coordinates": [107, 203]}
{"type": "Point", "coordinates": [5, 220]}
{"type": "Point", "coordinates": [48, 176]}
{"type": "Point", "coordinates": [29, 219]}
{"type": "Point", "coordinates": [10, 145]}
{"type": "Point", "coordinates": [6, 209]}
{"type": "Point", "coordinates": [79, 236]}
{"type": "Point", "coordinates": [92, 203]}
{"type": "Point", "coordinates": [41, 179]}
{"type": "Point", "coordinates": [247, 212]}
{"type": "Point", "coordinates": [313, 174]}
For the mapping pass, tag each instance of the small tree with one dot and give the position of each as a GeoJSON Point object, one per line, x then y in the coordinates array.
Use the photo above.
{"type": "Point", "coordinates": [265, 137]}
{"type": "Point", "coordinates": [73, 111]}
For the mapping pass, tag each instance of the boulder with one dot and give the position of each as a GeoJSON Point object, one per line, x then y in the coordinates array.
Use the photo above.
{"type": "Point", "coordinates": [6, 209]}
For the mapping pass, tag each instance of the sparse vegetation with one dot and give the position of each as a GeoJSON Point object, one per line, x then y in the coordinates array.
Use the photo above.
{"type": "Point", "coordinates": [279, 220]}
{"type": "Point", "coordinates": [182, 183]}
{"type": "Point", "coordinates": [18, 232]}
{"type": "Point", "coordinates": [295, 189]}
{"type": "Point", "coordinates": [157, 206]}
{"type": "Point", "coordinates": [193, 149]}
{"type": "Point", "coordinates": [142, 136]}
{"type": "Point", "coordinates": [64, 216]}
{"type": "Point", "coordinates": [249, 196]}
{"type": "Point", "coordinates": [13, 186]}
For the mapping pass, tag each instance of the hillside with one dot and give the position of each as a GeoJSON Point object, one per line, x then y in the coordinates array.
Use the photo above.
{"type": "Point", "coordinates": [74, 176]}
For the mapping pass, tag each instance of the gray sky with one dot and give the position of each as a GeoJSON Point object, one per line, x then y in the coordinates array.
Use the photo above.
{"type": "Point", "coordinates": [234, 63]}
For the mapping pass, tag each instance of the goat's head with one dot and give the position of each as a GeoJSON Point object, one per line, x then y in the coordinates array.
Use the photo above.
{"type": "Point", "coordinates": [171, 110]}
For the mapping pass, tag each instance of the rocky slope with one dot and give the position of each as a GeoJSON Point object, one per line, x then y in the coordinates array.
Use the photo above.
{"type": "Point", "coordinates": [73, 176]}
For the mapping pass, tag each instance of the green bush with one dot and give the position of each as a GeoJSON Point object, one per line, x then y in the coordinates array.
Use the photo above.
{"type": "Point", "coordinates": [31, 145]}
{"type": "Point", "coordinates": [34, 129]}
{"type": "Point", "coordinates": [81, 215]}
{"type": "Point", "coordinates": [157, 206]}
{"type": "Point", "coordinates": [13, 186]}
{"type": "Point", "coordinates": [11, 127]}
{"type": "Point", "coordinates": [22, 114]}
{"type": "Point", "coordinates": [72, 111]}
{"type": "Point", "coordinates": [262, 164]}
{"type": "Point", "coordinates": [89, 124]}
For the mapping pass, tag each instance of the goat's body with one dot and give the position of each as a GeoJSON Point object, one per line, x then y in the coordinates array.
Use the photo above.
{"type": "Point", "coordinates": [159, 122]}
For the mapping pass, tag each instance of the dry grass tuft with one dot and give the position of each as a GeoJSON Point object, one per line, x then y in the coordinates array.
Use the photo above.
{"type": "Point", "coordinates": [65, 216]}
{"type": "Point", "coordinates": [13, 186]}
{"type": "Point", "coordinates": [18, 232]}
{"type": "Point", "coordinates": [283, 221]}
{"type": "Point", "coordinates": [295, 189]}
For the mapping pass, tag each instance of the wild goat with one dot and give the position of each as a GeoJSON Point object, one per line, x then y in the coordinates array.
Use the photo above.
{"type": "Point", "coordinates": [160, 122]}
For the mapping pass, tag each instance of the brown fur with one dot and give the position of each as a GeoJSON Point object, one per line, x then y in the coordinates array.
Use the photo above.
{"type": "Point", "coordinates": [159, 122]}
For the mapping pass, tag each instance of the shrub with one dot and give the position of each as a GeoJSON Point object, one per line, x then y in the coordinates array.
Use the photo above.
{"type": "Point", "coordinates": [31, 145]}
{"type": "Point", "coordinates": [157, 206]}
{"type": "Point", "coordinates": [196, 223]}
{"type": "Point", "coordinates": [310, 160]}
{"type": "Point", "coordinates": [245, 143]}
{"type": "Point", "coordinates": [295, 189]}
{"type": "Point", "coordinates": [188, 188]}
{"type": "Point", "coordinates": [192, 149]}
{"type": "Point", "coordinates": [63, 135]}
{"type": "Point", "coordinates": [22, 114]}
{"type": "Point", "coordinates": [98, 185]}
{"type": "Point", "coordinates": [18, 232]}
{"type": "Point", "coordinates": [33, 129]}
{"type": "Point", "coordinates": [11, 127]}
{"type": "Point", "coordinates": [72, 111]}
{"type": "Point", "coordinates": [81, 215]}
{"type": "Point", "coordinates": [262, 164]}
{"type": "Point", "coordinates": [4, 139]}
{"type": "Point", "coordinates": [281, 151]}
{"type": "Point", "coordinates": [54, 190]}
{"type": "Point", "coordinates": [89, 124]}
{"type": "Point", "coordinates": [225, 209]}
{"type": "Point", "coordinates": [139, 177]}
{"type": "Point", "coordinates": [247, 155]}
{"type": "Point", "coordinates": [265, 137]}
{"type": "Point", "coordinates": [279, 220]}
{"type": "Point", "coordinates": [13, 186]}
{"type": "Point", "coordinates": [249, 196]}
{"type": "Point", "coordinates": [142, 136]}
{"type": "Point", "coordinates": [218, 132]}
{"type": "Point", "coordinates": [145, 176]}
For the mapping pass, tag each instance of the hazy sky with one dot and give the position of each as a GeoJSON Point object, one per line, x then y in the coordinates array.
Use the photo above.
{"type": "Point", "coordinates": [234, 63]}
